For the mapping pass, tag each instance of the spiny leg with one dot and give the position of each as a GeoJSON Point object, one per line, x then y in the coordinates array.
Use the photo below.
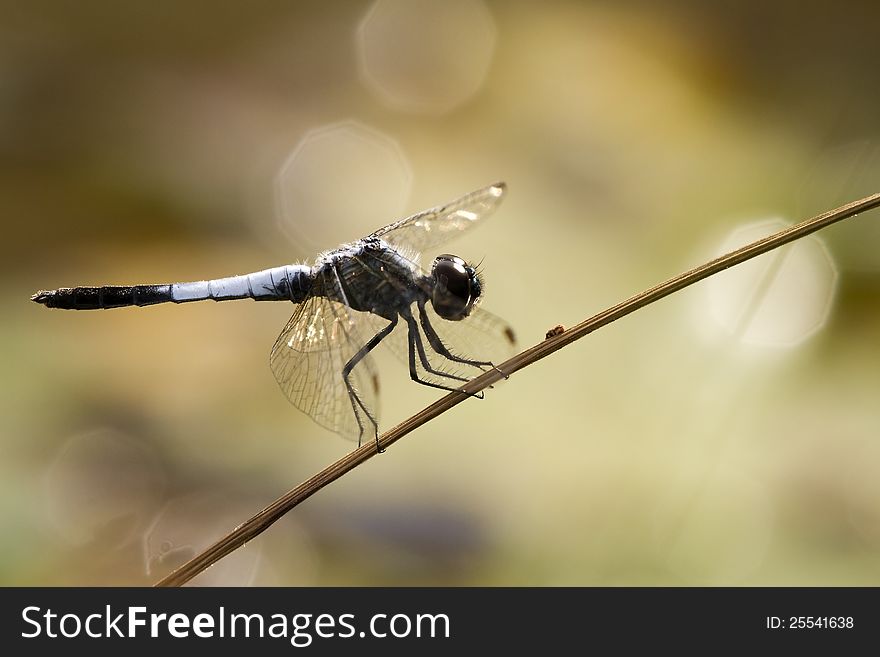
{"type": "Point", "coordinates": [352, 394]}
{"type": "Point", "coordinates": [415, 345]}
{"type": "Point", "coordinates": [438, 346]}
{"type": "Point", "coordinates": [423, 357]}
{"type": "Point", "coordinates": [353, 397]}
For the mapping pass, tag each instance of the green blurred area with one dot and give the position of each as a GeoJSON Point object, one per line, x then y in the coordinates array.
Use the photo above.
{"type": "Point", "coordinates": [139, 142]}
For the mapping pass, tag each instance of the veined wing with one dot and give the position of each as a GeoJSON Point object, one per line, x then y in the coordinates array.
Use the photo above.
{"type": "Point", "coordinates": [308, 359]}
{"type": "Point", "coordinates": [432, 227]}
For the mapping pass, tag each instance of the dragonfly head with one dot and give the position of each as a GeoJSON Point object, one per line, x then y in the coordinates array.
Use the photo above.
{"type": "Point", "coordinates": [456, 287]}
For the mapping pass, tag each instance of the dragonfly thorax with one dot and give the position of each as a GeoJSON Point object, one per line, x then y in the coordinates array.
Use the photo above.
{"type": "Point", "coordinates": [370, 276]}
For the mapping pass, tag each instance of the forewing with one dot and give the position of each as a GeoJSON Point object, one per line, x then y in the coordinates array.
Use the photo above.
{"type": "Point", "coordinates": [429, 228]}
{"type": "Point", "coordinates": [308, 359]}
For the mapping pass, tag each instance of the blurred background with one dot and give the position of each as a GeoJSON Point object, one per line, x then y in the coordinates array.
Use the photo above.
{"type": "Point", "coordinates": [728, 435]}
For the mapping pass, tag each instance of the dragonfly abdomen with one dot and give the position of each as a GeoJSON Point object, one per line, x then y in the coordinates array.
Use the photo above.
{"type": "Point", "coordinates": [107, 296]}
{"type": "Point", "coordinates": [285, 283]}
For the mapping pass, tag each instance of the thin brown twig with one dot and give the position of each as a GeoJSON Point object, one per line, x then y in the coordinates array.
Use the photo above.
{"type": "Point", "coordinates": [256, 525]}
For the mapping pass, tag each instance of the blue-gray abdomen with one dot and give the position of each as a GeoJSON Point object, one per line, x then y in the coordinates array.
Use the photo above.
{"type": "Point", "coordinates": [285, 283]}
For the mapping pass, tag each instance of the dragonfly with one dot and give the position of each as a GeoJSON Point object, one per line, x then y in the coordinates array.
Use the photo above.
{"type": "Point", "coordinates": [348, 302]}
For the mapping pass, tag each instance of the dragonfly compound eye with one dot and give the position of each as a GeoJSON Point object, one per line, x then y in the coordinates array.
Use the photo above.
{"type": "Point", "coordinates": [456, 287]}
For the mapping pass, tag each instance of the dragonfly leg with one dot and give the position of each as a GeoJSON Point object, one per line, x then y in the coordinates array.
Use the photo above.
{"type": "Point", "coordinates": [423, 357]}
{"type": "Point", "coordinates": [438, 346]}
{"type": "Point", "coordinates": [415, 345]}
{"type": "Point", "coordinates": [356, 401]}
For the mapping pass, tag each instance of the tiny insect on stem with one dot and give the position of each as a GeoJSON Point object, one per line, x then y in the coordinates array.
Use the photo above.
{"type": "Point", "coordinates": [265, 518]}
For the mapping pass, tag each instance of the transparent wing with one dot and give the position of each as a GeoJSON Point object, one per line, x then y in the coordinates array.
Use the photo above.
{"type": "Point", "coordinates": [308, 359]}
{"type": "Point", "coordinates": [429, 228]}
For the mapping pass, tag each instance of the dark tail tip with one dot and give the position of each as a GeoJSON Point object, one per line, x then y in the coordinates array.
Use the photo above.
{"type": "Point", "coordinates": [44, 297]}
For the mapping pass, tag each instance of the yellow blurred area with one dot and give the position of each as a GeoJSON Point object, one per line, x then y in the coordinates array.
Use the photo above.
{"type": "Point", "coordinates": [164, 142]}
